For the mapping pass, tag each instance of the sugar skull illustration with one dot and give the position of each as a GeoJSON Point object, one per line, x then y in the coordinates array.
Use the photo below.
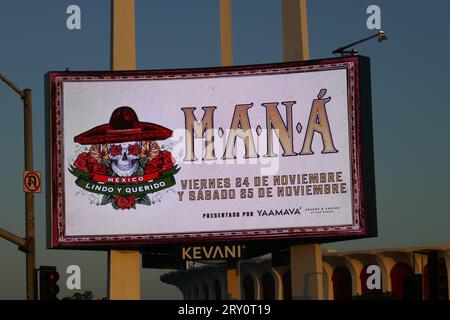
{"type": "Point", "coordinates": [125, 157]}
{"type": "Point", "coordinates": [124, 162]}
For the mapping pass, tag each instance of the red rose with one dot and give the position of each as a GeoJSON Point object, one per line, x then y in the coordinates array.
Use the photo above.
{"type": "Point", "coordinates": [134, 150]}
{"type": "Point", "coordinates": [82, 162]}
{"type": "Point", "coordinates": [124, 202]}
{"type": "Point", "coordinates": [161, 163]}
{"type": "Point", "coordinates": [115, 150]}
{"type": "Point", "coordinates": [153, 165]}
{"type": "Point", "coordinates": [166, 159]}
{"type": "Point", "coordinates": [99, 168]}
{"type": "Point", "coordinates": [150, 167]}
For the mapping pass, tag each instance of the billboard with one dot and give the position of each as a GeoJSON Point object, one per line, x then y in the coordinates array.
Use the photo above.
{"type": "Point", "coordinates": [280, 151]}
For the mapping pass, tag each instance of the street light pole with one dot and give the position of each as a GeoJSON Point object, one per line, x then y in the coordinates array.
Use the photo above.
{"type": "Point", "coordinates": [26, 244]}
{"type": "Point", "coordinates": [29, 198]}
{"type": "Point", "coordinates": [342, 50]}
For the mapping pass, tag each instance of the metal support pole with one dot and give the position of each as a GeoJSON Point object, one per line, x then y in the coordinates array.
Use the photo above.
{"type": "Point", "coordinates": [26, 244]}
{"type": "Point", "coordinates": [226, 33]}
{"type": "Point", "coordinates": [29, 198]}
{"type": "Point", "coordinates": [295, 30]}
{"type": "Point", "coordinates": [123, 37]}
{"type": "Point", "coordinates": [307, 272]}
{"type": "Point", "coordinates": [234, 280]}
{"type": "Point", "coordinates": [11, 237]}
{"type": "Point", "coordinates": [124, 266]}
{"type": "Point", "coordinates": [226, 54]}
{"type": "Point", "coordinates": [306, 260]}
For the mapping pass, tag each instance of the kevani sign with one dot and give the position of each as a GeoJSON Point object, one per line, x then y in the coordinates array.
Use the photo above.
{"type": "Point", "coordinates": [216, 252]}
{"type": "Point", "coordinates": [281, 151]}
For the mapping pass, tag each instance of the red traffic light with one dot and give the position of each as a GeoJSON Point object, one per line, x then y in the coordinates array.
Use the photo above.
{"type": "Point", "coordinates": [54, 276]}
{"type": "Point", "coordinates": [48, 283]}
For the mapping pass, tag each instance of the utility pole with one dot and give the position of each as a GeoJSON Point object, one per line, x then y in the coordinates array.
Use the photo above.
{"type": "Point", "coordinates": [26, 244]}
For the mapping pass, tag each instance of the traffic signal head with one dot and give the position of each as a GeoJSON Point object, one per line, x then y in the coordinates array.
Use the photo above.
{"type": "Point", "coordinates": [48, 283]}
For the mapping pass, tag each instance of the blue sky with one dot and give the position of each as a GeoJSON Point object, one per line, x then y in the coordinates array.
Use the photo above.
{"type": "Point", "coordinates": [409, 85]}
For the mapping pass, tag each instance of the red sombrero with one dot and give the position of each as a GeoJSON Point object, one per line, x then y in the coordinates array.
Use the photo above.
{"type": "Point", "coordinates": [123, 126]}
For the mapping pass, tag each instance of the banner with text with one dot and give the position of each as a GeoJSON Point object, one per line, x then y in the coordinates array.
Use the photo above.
{"type": "Point", "coordinates": [240, 153]}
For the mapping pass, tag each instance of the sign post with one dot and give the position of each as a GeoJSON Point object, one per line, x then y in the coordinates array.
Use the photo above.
{"type": "Point", "coordinates": [29, 198]}
{"type": "Point", "coordinates": [306, 260]}
{"type": "Point", "coordinates": [124, 266]}
{"type": "Point", "coordinates": [26, 244]}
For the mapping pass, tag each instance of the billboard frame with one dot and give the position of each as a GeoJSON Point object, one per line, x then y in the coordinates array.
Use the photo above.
{"type": "Point", "coordinates": [358, 77]}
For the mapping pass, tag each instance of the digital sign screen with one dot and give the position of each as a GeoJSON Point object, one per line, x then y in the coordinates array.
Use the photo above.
{"type": "Point", "coordinates": [281, 151]}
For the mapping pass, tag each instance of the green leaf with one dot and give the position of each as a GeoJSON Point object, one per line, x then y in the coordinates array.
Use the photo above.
{"type": "Point", "coordinates": [78, 173]}
{"type": "Point", "coordinates": [108, 165]}
{"type": "Point", "coordinates": [170, 172]}
{"type": "Point", "coordinates": [107, 198]}
{"type": "Point", "coordinates": [139, 172]}
{"type": "Point", "coordinates": [145, 200]}
{"type": "Point", "coordinates": [142, 162]}
{"type": "Point", "coordinates": [115, 206]}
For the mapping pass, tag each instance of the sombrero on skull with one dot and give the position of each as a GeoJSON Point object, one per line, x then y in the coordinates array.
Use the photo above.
{"type": "Point", "coordinates": [123, 126]}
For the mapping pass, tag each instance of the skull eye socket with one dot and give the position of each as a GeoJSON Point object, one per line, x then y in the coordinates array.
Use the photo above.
{"type": "Point", "coordinates": [115, 150]}
{"type": "Point", "coordinates": [134, 150]}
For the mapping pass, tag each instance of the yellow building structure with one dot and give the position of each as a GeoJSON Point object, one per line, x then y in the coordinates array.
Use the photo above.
{"type": "Point", "coordinates": [403, 271]}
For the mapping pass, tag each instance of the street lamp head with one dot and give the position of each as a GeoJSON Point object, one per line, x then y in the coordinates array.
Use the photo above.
{"type": "Point", "coordinates": [381, 36]}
